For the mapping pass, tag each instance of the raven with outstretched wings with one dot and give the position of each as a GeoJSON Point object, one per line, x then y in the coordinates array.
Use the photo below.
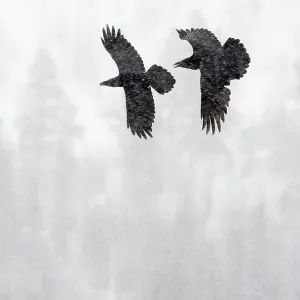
{"type": "Point", "coordinates": [135, 81]}
{"type": "Point", "coordinates": [218, 66]}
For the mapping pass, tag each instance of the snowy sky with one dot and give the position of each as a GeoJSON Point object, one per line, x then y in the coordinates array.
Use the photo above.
{"type": "Point", "coordinates": [257, 165]}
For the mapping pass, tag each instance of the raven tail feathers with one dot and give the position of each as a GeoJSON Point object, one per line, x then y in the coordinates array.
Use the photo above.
{"type": "Point", "coordinates": [160, 79]}
{"type": "Point", "coordinates": [237, 58]}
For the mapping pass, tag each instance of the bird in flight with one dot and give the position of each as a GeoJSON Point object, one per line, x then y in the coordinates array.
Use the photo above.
{"type": "Point", "coordinates": [135, 81]}
{"type": "Point", "coordinates": [218, 66]}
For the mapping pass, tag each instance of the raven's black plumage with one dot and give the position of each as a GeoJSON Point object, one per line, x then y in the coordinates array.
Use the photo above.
{"type": "Point", "coordinates": [218, 66]}
{"type": "Point", "coordinates": [135, 81]}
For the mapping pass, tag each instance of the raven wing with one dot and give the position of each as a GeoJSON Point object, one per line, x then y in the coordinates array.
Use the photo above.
{"type": "Point", "coordinates": [140, 109]}
{"type": "Point", "coordinates": [200, 39]}
{"type": "Point", "coordinates": [122, 52]}
{"type": "Point", "coordinates": [214, 103]}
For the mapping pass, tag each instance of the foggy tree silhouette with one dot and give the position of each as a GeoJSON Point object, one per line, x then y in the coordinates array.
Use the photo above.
{"type": "Point", "coordinates": [37, 133]}
{"type": "Point", "coordinates": [101, 223]}
{"type": "Point", "coordinates": [238, 259]}
{"type": "Point", "coordinates": [290, 264]}
{"type": "Point", "coordinates": [284, 161]}
{"type": "Point", "coordinates": [257, 285]}
{"type": "Point", "coordinates": [289, 198]}
{"type": "Point", "coordinates": [9, 217]}
{"type": "Point", "coordinates": [67, 179]}
{"type": "Point", "coordinates": [272, 254]}
{"type": "Point", "coordinates": [280, 150]}
{"type": "Point", "coordinates": [8, 201]}
{"type": "Point", "coordinates": [142, 189]}
{"type": "Point", "coordinates": [47, 132]}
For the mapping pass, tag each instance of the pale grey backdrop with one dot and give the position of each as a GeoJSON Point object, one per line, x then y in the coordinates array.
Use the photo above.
{"type": "Point", "coordinates": [88, 211]}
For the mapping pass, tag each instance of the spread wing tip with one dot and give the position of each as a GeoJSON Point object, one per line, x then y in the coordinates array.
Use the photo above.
{"type": "Point", "coordinates": [143, 133]}
{"type": "Point", "coordinates": [210, 122]}
{"type": "Point", "coordinates": [107, 32]}
{"type": "Point", "coordinates": [183, 33]}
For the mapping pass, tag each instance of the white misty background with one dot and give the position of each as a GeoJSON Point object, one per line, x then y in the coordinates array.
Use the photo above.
{"type": "Point", "coordinates": [88, 211]}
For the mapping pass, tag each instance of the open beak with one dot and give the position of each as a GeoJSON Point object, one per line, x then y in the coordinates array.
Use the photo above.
{"type": "Point", "coordinates": [176, 65]}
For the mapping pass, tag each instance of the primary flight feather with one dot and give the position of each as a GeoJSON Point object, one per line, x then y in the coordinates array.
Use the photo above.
{"type": "Point", "coordinates": [218, 66]}
{"type": "Point", "coordinates": [135, 81]}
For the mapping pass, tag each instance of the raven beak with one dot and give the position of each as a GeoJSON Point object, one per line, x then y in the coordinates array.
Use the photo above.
{"type": "Point", "coordinates": [102, 83]}
{"type": "Point", "coordinates": [176, 65]}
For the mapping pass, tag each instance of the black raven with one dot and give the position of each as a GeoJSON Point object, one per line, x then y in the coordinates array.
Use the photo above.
{"type": "Point", "coordinates": [218, 66]}
{"type": "Point", "coordinates": [135, 81]}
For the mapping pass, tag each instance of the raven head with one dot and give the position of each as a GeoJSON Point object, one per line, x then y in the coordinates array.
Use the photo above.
{"type": "Point", "coordinates": [113, 82]}
{"type": "Point", "coordinates": [188, 63]}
